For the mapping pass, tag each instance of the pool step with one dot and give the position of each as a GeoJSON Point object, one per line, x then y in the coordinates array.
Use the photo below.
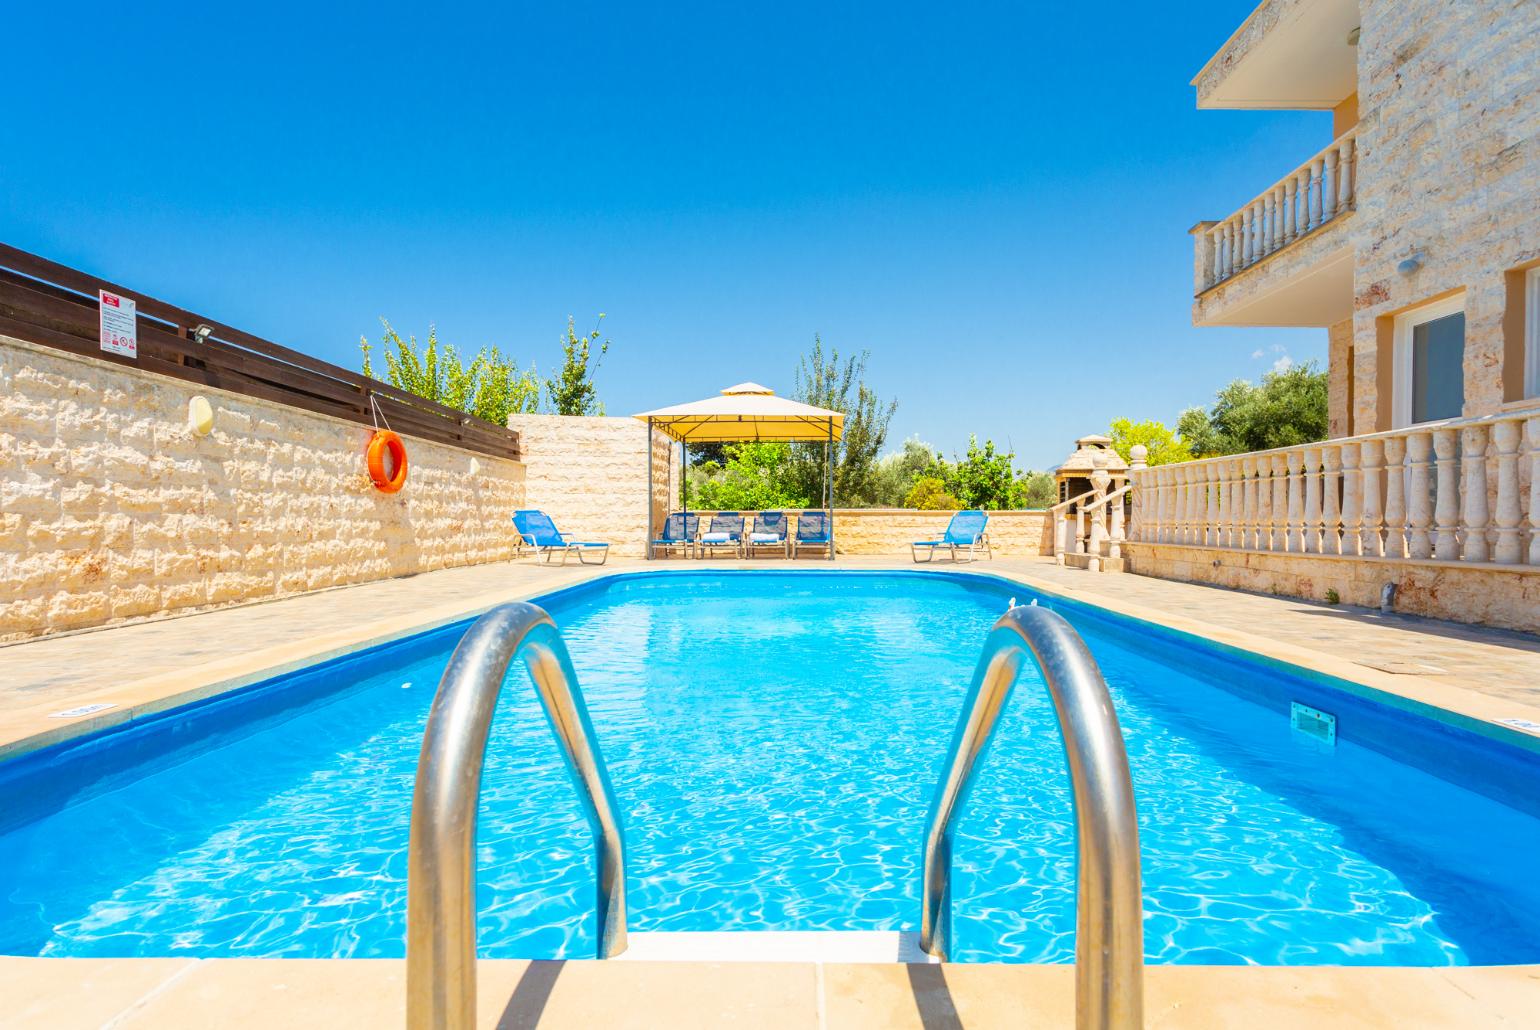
{"type": "Point", "coordinates": [776, 946]}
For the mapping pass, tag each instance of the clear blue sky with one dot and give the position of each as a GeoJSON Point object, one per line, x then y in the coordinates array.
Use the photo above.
{"type": "Point", "coordinates": [992, 199]}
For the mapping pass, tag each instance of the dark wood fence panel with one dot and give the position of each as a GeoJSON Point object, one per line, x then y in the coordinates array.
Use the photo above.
{"type": "Point", "coordinates": [50, 304]}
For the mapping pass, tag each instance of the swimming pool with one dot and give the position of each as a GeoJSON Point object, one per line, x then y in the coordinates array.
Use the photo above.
{"type": "Point", "coordinates": [774, 740]}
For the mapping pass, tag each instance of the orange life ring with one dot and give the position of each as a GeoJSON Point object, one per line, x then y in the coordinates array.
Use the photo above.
{"type": "Point", "coordinates": [382, 442]}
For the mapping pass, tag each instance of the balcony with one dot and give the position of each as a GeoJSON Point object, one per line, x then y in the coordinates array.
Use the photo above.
{"type": "Point", "coordinates": [1288, 55]}
{"type": "Point", "coordinates": [1284, 259]}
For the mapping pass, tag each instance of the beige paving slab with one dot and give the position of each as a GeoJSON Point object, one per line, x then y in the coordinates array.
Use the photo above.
{"type": "Point", "coordinates": [64, 993]}
{"type": "Point", "coordinates": [517, 995]}
{"type": "Point", "coordinates": [237, 994]}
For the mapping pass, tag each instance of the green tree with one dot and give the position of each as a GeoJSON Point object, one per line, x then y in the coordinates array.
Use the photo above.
{"type": "Point", "coordinates": [983, 479]}
{"type": "Point", "coordinates": [489, 386]}
{"type": "Point", "coordinates": [929, 493]}
{"type": "Point", "coordinates": [895, 474]}
{"type": "Point", "coordinates": [1199, 434]}
{"type": "Point", "coordinates": [1163, 445]}
{"type": "Point", "coordinates": [753, 477]}
{"type": "Point", "coordinates": [841, 386]}
{"type": "Point", "coordinates": [1034, 490]}
{"type": "Point", "coordinates": [504, 389]}
{"type": "Point", "coordinates": [572, 390]}
{"type": "Point", "coordinates": [1288, 407]}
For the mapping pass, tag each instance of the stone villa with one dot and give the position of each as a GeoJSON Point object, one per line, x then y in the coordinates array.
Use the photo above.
{"type": "Point", "coordinates": [1413, 238]}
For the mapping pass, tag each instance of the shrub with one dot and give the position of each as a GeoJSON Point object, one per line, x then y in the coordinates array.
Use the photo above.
{"type": "Point", "coordinates": [930, 494]}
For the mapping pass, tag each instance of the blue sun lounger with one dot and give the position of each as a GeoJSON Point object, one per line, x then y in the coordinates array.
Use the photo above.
{"type": "Point", "coordinates": [965, 531]}
{"type": "Point", "coordinates": [726, 530]}
{"type": "Point", "coordinates": [813, 532]}
{"type": "Point", "coordinates": [769, 531]}
{"type": "Point", "coordinates": [536, 530]}
{"type": "Point", "coordinates": [679, 530]}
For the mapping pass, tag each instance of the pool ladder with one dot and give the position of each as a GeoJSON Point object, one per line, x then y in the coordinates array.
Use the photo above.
{"type": "Point", "coordinates": [441, 878]}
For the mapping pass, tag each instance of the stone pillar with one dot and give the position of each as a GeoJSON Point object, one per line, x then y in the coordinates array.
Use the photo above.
{"type": "Point", "coordinates": [1370, 513]}
{"type": "Point", "coordinates": [1395, 497]}
{"type": "Point", "coordinates": [1419, 508]}
{"type": "Point", "coordinates": [1509, 549]}
{"type": "Point", "coordinates": [1473, 495]}
{"type": "Point", "coordinates": [1280, 535]}
{"type": "Point", "coordinates": [1446, 511]}
{"type": "Point", "coordinates": [1331, 515]}
{"type": "Point", "coordinates": [1294, 460]}
{"type": "Point", "coordinates": [1352, 498]}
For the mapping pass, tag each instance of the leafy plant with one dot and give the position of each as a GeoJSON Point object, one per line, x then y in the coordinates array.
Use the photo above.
{"type": "Point", "coordinates": [754, 477]}
{"type": "Point", "coordinates": [929, 493]}
{"type": "Point", "coordinates": [572, 390]}
{"type": "Point", "coordinates": [895, 474]}
{"type": "Point", "coordinates": [1287, 408]}
{"type": "Point", "coordinates": [1332, 597]}
{"type": "Point", "coordinates": [489, 386]}
{"type": "Point", "coordinates": [984, 478]}
{"type": "Point", "coordinates": [1034, 490]}
{"type": "Point", "coordinates": [1163, 445]}
{"type": "Point", "coordinates": [841, 386]}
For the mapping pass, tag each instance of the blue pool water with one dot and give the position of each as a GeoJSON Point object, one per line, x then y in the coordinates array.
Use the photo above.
{"type": "Point", "coordinates": [774, 740]}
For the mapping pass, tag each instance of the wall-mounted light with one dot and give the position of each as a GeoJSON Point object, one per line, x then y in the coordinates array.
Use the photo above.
{"type": "Point", "coordinates": [1353, 36]}
{"type": "Point", "coordinates": [1410, 263]}
{"type": "Point", "coordinates": [202, 333]}
{"type": "Point", "coordinates": [200, 416]}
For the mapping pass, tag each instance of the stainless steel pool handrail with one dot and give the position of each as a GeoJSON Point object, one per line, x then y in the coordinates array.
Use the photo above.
{"type": "Point", "coordinates": [441, 868]}
{"type": "Point", "coordinates": [1109, 931]}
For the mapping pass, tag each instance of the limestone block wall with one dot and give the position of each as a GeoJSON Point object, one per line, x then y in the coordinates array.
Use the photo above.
{"type": "Point", "coordinates": [589, 473]}
{"type": "Point", "coordinates": [112, 509]}
{"type": "Point", "coordinates": [891, 530]}
{"type": "Point", "coordinates": [1507, 596]}
{"type": "Point", "coordinates": [1449, 168]}
{"type": "Point", "coordinates": [1339, 388]}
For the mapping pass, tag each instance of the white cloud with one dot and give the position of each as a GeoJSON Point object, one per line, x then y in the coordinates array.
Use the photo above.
{"type": "Point", "coordinates": [1283, 364]}
{"type": "Point", "coordinates": [1256, 354]}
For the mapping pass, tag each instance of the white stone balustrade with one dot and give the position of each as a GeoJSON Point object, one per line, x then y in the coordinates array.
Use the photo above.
{"type": "Point", "coordinates": [1461, 490]}
{"type": "Point", "coordinates": [1307, 198]}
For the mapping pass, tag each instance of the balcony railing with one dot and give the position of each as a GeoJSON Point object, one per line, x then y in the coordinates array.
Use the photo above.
{"type": "Point", "coordinates": [1456, 491]}
{"type": "Point", "coordinates": [1297, 205]}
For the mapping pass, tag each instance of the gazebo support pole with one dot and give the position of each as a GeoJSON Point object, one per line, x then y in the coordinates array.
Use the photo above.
{"type": "Point", "coordinates": [647, 544]}
{"type": "Point", "coordinates": [828, 464]}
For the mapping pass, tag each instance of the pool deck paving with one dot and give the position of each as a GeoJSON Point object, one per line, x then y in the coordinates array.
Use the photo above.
{"type": "Point", "coordinates": [1476, 676]}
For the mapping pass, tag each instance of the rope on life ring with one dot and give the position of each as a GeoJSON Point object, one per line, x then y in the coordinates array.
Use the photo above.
{"type": "Point", "coordinates": [386, 442]}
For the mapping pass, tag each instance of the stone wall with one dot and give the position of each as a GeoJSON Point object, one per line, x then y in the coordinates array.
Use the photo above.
{"type": "Point", "coordinates": [1339, 380]}
{"type": "Point", "coordinates": [111, 508]}
{"type": "Point", "coordinates": [890, 531]}
{"type": "Point", "coordinates": [590, 475]}
{"type": "Point", "coordinates": [1507, 596]}
{"type": "Point", "coordinates": [1449, 168]}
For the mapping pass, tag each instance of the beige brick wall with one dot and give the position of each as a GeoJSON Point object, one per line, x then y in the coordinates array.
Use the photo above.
{"type": "Point", "coordinates": [112, 509]}
{"type": "Point", "coordinates": [1491, 595]}
{"type": "Point", "coordinates": [891, 530]}
{"type": "Point", "coordinates": [589, 473]}
{"type": "Point", "coordinates": [1449, 167]}
{"type": "Point", "coordinates": [1339, 386]}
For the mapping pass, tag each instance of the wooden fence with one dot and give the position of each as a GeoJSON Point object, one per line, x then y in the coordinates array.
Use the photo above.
{"type": "Point", "coordinates": [50, 304]}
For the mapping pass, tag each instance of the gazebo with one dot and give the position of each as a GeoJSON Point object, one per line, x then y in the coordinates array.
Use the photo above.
{"type": "Point", "coordinates": [747, 412]}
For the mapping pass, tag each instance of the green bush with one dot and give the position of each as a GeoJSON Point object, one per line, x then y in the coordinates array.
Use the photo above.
{"type": "Point", "coordinates": [753, 477]}
{"type": "Point", "coordinates": [930, 494]}
{"type": "Point", "coordinates": [489, 387]}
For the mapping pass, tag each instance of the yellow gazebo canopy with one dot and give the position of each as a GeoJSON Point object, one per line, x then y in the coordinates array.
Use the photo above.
{"type": "Point", "coordinates": [747, 411]}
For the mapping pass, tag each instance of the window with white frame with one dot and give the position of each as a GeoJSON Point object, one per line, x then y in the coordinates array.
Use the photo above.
{"type": "Point", "coordinates": [1532, 332]}
{"type": "Point", "coordinates": [1429, 363]}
